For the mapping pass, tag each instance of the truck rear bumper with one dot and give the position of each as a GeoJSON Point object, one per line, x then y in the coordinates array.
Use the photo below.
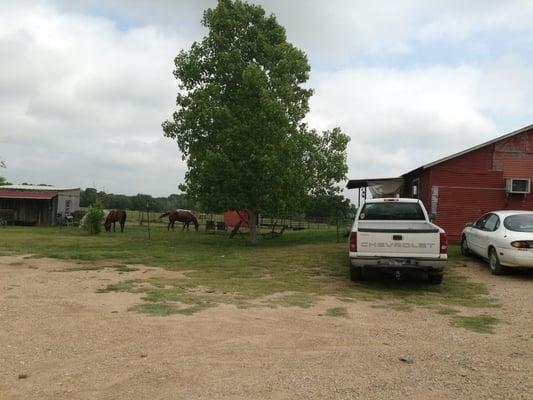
{"type": "Point", "coordinates": [426, 264]}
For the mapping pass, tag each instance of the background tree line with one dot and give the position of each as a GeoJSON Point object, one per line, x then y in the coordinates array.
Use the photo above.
{"type": "Point", "coordinates": [139, 201]}
{"type": "Point", "coordinates": [324, 206]}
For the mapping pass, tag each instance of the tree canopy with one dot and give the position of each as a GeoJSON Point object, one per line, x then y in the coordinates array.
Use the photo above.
{"type": "Point", "coordinates": [3, 180]}
{"type": "Point", "coordinates": [239, 122]}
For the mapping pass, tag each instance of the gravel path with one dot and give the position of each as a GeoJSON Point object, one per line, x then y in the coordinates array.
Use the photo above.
{"type": "Point", "coordinates": [73, 343]}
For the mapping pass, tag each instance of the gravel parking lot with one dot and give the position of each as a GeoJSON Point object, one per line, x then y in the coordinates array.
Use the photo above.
{"type": "Point", "coordinates": [62, 340]}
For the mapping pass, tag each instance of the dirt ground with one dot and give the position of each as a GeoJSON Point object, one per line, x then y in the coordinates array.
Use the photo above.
{"type": "Point", "coordinates": [61, 340]}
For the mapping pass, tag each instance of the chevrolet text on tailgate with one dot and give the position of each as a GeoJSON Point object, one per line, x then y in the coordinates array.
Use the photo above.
{"type": "Point", "coordinates": [396, 235]}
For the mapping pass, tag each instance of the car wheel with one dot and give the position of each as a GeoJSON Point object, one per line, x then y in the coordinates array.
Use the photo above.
{"type": "Point", "coordinates": [435, 278]}
{"type": "Point", "coordinates": [356, 273]}
{"type": "Point", "coordinates": [465, 251]}
{"type": "Point", "coordinates": [494, 263]}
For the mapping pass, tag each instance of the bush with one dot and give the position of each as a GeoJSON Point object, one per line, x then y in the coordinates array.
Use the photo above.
{"type": "Point", "coordinates": [93, 219]}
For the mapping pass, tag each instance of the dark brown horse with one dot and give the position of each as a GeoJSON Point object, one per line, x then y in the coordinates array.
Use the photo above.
{"type": "Point", "coordinates": [184, 216]}
{"type": "Point", "coordinates": [113, 217]}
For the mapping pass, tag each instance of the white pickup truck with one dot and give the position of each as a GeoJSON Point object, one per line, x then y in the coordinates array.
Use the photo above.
{"type": "Point", "coordinates": [395, 235]}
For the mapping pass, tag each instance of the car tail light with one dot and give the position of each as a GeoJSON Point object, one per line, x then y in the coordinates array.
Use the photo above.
{"type": "Point", "coordinates": [443, 243]}
{"type": "Point", "coordinates": [522, 244]}
{"type": "Point", "coordinates": [353, 241]}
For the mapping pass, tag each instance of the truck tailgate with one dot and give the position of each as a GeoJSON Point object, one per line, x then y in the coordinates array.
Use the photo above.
{"type": "Point", "coordinates": [419, 239]}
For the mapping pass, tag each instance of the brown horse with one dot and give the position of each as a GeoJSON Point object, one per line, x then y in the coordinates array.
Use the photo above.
{"type": "Point", "coordinates": [113, 217]}
{"type": "Point", "coordinates": [184, 216]}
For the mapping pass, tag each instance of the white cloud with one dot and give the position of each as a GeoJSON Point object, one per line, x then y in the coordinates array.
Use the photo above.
{"type": "Point", "coordinates": [84, 86]}
{"type": "Point", "coordinates": [76, 92]}
{"type": "Point", "coordinates": [401, 119]}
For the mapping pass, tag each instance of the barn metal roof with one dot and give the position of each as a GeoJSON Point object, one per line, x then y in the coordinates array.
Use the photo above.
{"type": "Point", "coordinates": [27, 195]}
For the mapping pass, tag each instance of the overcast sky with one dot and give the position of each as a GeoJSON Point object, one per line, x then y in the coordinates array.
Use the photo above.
{"type": "Point", "coordinates": [85, 85]}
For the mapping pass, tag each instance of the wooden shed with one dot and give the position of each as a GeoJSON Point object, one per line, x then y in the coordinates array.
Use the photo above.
{"type": "Point", "coordinates": [38, 205]}
{"type": "Point", "coordinates": [495, 175]}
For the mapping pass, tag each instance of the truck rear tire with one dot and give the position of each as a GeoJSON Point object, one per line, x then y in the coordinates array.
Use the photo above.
{"type": "Point", "coordinates": [356, 273]}
{"type": "Point", "coordinates": [435, 278]}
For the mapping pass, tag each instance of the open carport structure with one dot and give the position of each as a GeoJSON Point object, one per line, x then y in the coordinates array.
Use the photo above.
{"type": "Point", "coordinates": [38, 205]}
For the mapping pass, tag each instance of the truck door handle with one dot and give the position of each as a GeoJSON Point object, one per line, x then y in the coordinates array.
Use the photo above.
{"type": "Point", "coordinates": [397, 237]}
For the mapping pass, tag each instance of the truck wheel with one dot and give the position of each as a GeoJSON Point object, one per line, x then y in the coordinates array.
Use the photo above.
{"type": "Point", "coordinates": [494, 263]}
{"type": "Point", "coordinates": [465, 251]}
{"type": "Point", "coordinates": [356, 273]}
{"type": "Point", "coordinates": [435, 278]}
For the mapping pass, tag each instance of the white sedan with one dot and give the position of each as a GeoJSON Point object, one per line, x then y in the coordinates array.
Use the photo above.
{"type": "Point", "coordinates": [504, 238]}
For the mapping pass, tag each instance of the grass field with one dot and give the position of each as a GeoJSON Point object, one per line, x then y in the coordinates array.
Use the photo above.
{"type": "Point", "coordinates": [292, 270]}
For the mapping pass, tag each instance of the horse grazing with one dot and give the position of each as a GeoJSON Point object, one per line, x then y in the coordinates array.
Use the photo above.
{"type": "Point", "coordinates": [184, 216]}
{"type": "Point", "coordinates": [113, 217]}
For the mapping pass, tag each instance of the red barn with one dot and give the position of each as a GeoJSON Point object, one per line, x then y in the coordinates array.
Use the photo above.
{"type": "Point", "coordinates": [495, 175]}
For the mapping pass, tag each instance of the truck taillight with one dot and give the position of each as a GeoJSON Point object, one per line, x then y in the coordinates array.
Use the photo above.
{"type": "Point", "coordinates": [443, 243]}
{"type": "Point", "coordinates": [353, 241]}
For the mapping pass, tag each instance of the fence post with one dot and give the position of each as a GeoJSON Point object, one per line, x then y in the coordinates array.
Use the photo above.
{"type": "Point", "coordinates": [149, 236]}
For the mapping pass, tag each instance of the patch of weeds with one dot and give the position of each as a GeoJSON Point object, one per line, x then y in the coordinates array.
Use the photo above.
{"type": "Point", "coordinates": [23, 376]}
{"type": "Point", "coordinates": [123, 268]}
{"type": "Point", "coordinates": [164, 308]}
{"type": "Point", "coordinates": [193, 309]}
{"type": "Point", "coordinates": [303, 300]}
{"type": "Point", "coordinates": [337, 312]}
{"type": "Point", "coordinates": [81, 268]}
{"type": "Point", "coordinates": [117, 267]}
{"type": "Point", "coordinates": [447, 311]}
{"type": "Point", "coordinates": [126, 286]}
{"type": "Point", "coordinates": [478, 323]}
{"type": "Point", "coordinates": [161, 309]}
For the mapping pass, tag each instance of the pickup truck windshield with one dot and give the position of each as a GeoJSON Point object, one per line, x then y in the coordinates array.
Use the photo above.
{"type": "Point", "coordinates": [392, 211]}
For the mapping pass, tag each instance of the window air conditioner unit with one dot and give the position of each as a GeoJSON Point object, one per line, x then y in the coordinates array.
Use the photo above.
{"type": "Point", "coordinates": [522, 186]}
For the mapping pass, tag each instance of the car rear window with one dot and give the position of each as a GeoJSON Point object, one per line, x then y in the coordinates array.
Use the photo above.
{"type": "Point", "coordinates": [396, 211]}
{"type": "Point", "coordinates": [519, 222]}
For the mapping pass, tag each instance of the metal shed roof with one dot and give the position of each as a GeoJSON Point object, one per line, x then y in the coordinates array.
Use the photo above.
{"type": "Point", "coordinates": [38, 188]}
{"type": "Point", "coordinates": [27, 195]}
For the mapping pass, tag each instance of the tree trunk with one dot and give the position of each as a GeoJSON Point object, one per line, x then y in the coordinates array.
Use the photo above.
{"type": "Point", "coordinates": [252, 221]}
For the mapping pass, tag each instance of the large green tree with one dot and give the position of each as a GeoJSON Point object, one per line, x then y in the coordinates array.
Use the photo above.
{"type": "Point", "coordinates": [239, 124]}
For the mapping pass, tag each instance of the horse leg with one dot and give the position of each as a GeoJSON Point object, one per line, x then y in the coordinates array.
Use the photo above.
{"type": "Point", "coordinates": [168, 226]}
{"type": "Point", "coordinates": [122, 227]}
{"type": "Point", "coordinates": [114, 225]}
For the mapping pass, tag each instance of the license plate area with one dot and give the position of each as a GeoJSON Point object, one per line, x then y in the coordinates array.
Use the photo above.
{"type": "Point", "coordinates": [397, 262]}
